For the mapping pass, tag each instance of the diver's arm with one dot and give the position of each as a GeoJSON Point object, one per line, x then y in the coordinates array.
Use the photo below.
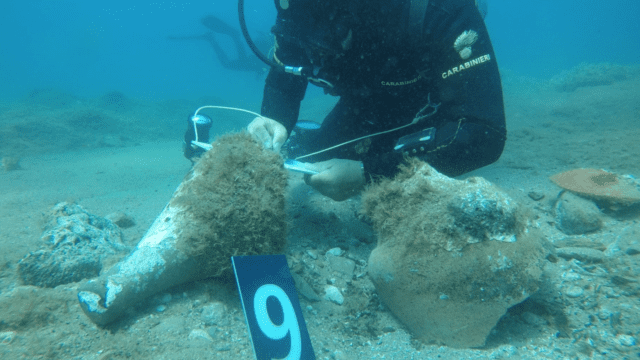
{"type": "Point", "coordinates": [284, 92]}
{"type": "Point", "coordinates": [470, 121]}
{"type": "Point", "coordinates": [282, 96]}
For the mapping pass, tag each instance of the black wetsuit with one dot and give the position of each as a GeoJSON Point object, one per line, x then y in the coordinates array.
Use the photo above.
{"type": "Point", "coordinates": [385, 77]}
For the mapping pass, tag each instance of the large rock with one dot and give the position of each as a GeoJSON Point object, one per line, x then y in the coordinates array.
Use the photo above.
{"type": "Point", "coordinates": [576, 216]}
{"type": "Point", "coordinates": [452, 256]}
{"type": "Point", "coordinates": [76, 245]}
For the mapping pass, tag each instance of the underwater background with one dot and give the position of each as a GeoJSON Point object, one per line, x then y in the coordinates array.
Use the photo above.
{"type": "Point", "coordinates": [94, 101]}
{"type": "Point", "coordinates": [89, 48]}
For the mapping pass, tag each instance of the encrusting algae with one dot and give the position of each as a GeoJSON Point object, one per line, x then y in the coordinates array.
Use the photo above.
{"type": "Point", "coordinates": [235, 205]}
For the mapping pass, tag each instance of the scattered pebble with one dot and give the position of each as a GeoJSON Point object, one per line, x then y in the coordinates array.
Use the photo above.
{"type": "Point", "coordinates": [632, 251]}
{"type": "Point", "coordinates": [335, 252]}
{"type": "Point", "coordinates": [342, 265]}
{"type": "Point", "coordinates": [582, 254]}
{"type": "Point", "coordinates": [304, 288]}
{"type": "Point", "coordinates": [333, 294]}
{"type": "Point", "coordinates": [161, 308]}
{"type": "Point", "coordinates": [224, 348]}
{"type": "Point", "coordinates": [536, 195]}
{"type": "Point", "coordinates": [214, 314]}
{"type": "Point", "coordinates": [575, 215]}
{"type": "Point", "coordinates": [388, 329]}
{"type": "Point", "coordinates": [213, 331]}
{"type": "Point", "coordinates": [605, 313]}
{"type": "Point", "coordinates": [199, 334]}
{"type": "Point", "coordinates": [121, 219]}
{"type": "Point", "coordinates": [165, 298]}
{"type": "Point", "coordinates": [6, 337]}
{"type": "Point", "coordinates": [626, 340]}
{"type": "Point", "coordinates": [574, 291]}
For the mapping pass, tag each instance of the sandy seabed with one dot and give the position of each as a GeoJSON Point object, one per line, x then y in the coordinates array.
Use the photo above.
{"type": "Point", "coordinates": [116, 154]}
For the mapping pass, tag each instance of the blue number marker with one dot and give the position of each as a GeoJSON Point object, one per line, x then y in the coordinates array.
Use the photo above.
{"type": "Point", "coordinates": [271, 308]}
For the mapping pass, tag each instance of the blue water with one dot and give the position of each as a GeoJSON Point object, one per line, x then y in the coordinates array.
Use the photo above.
{"type": "Point", "coordinates": [88, 48]}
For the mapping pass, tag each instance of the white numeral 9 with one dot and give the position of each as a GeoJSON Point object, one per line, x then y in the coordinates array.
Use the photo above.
{"type": "Point", "coordinates": [289, 323]}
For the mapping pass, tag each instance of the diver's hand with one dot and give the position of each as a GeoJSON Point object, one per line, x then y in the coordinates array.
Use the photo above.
{"type": "Point", "coordinates": [270, 133]}
{"type": "Point", "coordinates": [337, 179]}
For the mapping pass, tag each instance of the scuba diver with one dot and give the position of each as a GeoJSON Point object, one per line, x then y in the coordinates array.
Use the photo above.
{"type": "Point", "coordinates": [415, 78]}
{"type": "Point", "coordinates": [243, 62]}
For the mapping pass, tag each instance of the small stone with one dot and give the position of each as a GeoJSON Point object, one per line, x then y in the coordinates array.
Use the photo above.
{"type": "Point", "coordinates": [165, 298]}
{"type": "Point", "coordinates": [388, 329]}
{"type": "Point", "coordinates": [7, 337]}
{"type": "Point", "coordinates": [335, 252]}
{"type": "Point", "coordinates": [575, 215]}
{"type": "Point", "coordinates": [579, 241]}
{"type": "Point", "coordinates": [161, 308]}
{"type": "Point", "coordinates": [626, 340]}
{"type": "Point", "coordinates": [574, 291]}
{"type": "Point", "coordinates": [342, 265]}
{"type": "Point", "coordinates": [312, 254]}
{"type": "Point", "coordinates": [224, 348]}
{"type": "Point", "coordinates": [621, 281]}
{"type": "Point", "coordinates": [304, 288]}
{"type": "Point", "coordinates": [632, 251]}
{"type": "Point", "coordinates": [536, 195]}
{"type": "Point", "coordinates": [605, 314]}
{"type": "Point", "coordinates": [121, 219]}
{"type": "Point", "coordinates": [213, 331]}
{"type": "Point", "coordinates": [581, 254]}
{"type": "Point", "coordinates": [333, 294]}
{"type": "Point", "coordinates": [199, 334]}
{"type": "Point", "coordinates": [214, 314]}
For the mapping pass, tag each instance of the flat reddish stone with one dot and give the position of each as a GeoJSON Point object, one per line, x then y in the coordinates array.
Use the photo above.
{"type": "Point", "coordinates": [598, 185]}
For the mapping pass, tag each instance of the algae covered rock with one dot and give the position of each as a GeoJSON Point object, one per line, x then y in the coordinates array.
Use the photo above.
{"type": "Point", "coordinates": [589, 75]}
{"type": "Point", "coordinates": [452, 255]}
{"type": "Point", "coordinates": [75, 246]}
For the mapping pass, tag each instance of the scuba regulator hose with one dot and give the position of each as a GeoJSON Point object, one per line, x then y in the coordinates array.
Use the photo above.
{"type": "Point", "coordinates": [296, 70]}
{"type": "Point", "coordinates": [247, 38]}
